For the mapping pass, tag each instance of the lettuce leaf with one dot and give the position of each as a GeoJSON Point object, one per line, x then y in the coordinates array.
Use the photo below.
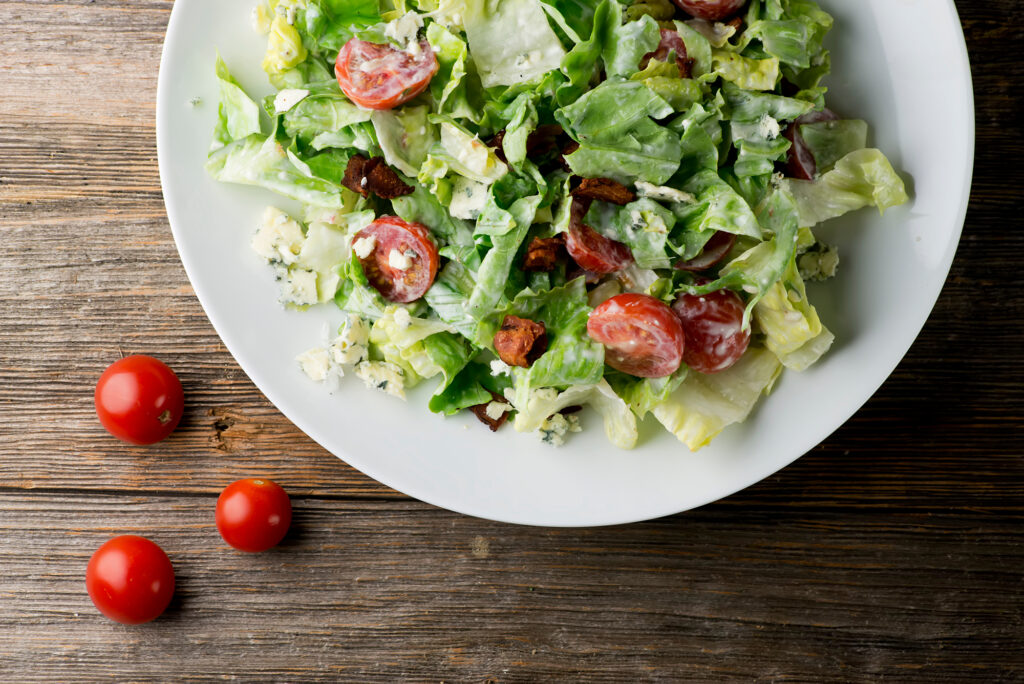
{"type": "Point", "coordinates": [860, 179]}
{"type": "Point", "coordinates": [704, 405]}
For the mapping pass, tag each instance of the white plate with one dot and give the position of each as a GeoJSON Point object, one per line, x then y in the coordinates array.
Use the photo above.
{"type": "Point", "coordinates": [902, 65]}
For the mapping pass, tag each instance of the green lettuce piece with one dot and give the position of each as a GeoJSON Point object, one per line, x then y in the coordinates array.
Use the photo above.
{"type": "Point", "coordinates": [449, 295]}
{"type": "Point", "coordinates": [793, 331]}
{"type": "Point", "coordinates": [748, 106]}
{"type": "Point", "coordinates": [860, 179]}
{"type": "Point", "coordinates": [643, 394]}
{"type": "Point", "coordinates": [449, 86]}
{"type": "Point", "coordinates": [423, 207]}
{"type": "Point", "coordinates": [830, 141]}
{"type": "Point", "coordinates": [326, 25]}
{"type": "Point", "coordinates": [471, 386]}
{"type": "Point", "coordinates": [238, 116]}
{"type": "Point", "coordinates": [759, 146]}
{"type": "Point", "coordinates": [580, 64]}
{"type": "Point", "coordinates": [718, 207]}
{"type": "Point", "coordinates": [511, 41]}
{"type": "Point", "coordinates": [572, 357]}
{"type": "Point", "coordinates": [644, 225]}
{"type": "Point", "coordinates": [465, 154]}
{"type": "Point", "coordinates": [617, 137]}
{"type": "Point", "coordinates": [620, 424]}
{"type": "Point", "coordinates": [746, 72]}
{"type": "Point", "coordinates": [265, 163]}
{"type": "Point", "coordinates": [629, 43]}
{"type": "Point", "coordinates": [575, 17]}
{"type": "Point", "coordinates": [324, 110]}
{"type": "Point", "coordinates": [522, 115]}
{"type": "Point", "coordinates": [756, 270]}
{"type": "Point", "coordinates": [704, 405]}
{"type": "Point", "coordinates": [421, 347]}
{"type": "Point", "coordinates": [494, 270]}
{"type": "Point", "coordinates": [405, 135]}
{"type": "Point", "coordinates": [355, 294]}
{"type": "Point", "coordinates": [698, 49]}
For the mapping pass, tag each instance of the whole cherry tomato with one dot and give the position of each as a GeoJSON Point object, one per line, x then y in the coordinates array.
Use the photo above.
{"type": "Point", "coordinates": [130, 579]}
{"type": "Point", "coordinates": [139, 400]}
{"type": "Point", "coordinates": [253, 514]}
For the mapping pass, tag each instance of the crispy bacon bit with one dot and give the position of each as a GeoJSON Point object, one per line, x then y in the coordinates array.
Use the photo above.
{"type": "Point", "coordinates": [736, 22]}
{"type": "Point", "coordinates": [364, 176]}
{"type": "Point", "coordinates": [520, 341]}
{"type": "Point", "coordinates": [604, 189]}
{"type": "Point", "coordinates": [480, 411]}
{"type": "Point", "coordinates": [543, 254]}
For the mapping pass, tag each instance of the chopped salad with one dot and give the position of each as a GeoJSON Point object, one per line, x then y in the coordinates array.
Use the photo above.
{"type": "Point", "coordinates": [539, 205]}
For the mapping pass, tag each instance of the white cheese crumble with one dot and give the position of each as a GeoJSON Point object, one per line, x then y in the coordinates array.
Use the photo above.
{"type": "Point", "coordinates": [663, 193]}
{"type": "Point", "coordinates": [403, 30]}
{"type": "Point", "coordinates": [363, 247]}
{"type": "Point", "coordinates": [298, 286]}
{"type": "Point", "coordinates": [399, 261]}
{"type": "Point", "coordinates": [288, 98]}
{"type": "Point", "coordinates": [351, 345]}
{"type": "Point", "coordinates": [279, 237]}
{"type": "Point", "coordinates": [496, 409]}
{"type": "Point", "coordinates": [402, 318]}
{"type": "Point", "coordinates": [499, 367]}
{"type": "Point", "coordinates": [468, 198]}
{"type": "Point", "coordinates": [768, 128]}
{"type": "Point", "coordinates": [316, 363]}
{"type": "Point", "coordinates": [382, 375]}
{"type": "Point", "coordinates": [554, 429]}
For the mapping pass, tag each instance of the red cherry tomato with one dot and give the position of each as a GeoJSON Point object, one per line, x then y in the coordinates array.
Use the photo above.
{"type": "Point", "coordinates": [130, 579]}
{"type": "Point", "coordinates": [253, 514]}
{"type": "Point", "coordinates": [640, 334]}
{"type": "Point", "coordinates": [713, 325]}
{"type": "Point", "coordinates": [800, 162]}
{"type": "Point", "coordinates": [594, 252]}
{"type": "Point", "coordinates": [379, 76]}
{"type": "Point", "coordinates": [671, 41]}
{"type": "Point", "coordinates": [410, 240]}
{"type": "Point", "coordinates": [139, 399]}
{"type": "Point", "coordinates": [714, 251]}
{"type": "Point", "coordinates": [712, 10]}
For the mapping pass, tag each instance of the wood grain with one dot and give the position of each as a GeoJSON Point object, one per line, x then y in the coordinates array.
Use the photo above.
{"type": "Point", "coordinates": [893, 551]}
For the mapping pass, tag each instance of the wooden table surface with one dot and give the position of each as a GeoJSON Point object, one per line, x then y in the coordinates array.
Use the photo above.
{"type": "Point", "coordinates": [893, 550]}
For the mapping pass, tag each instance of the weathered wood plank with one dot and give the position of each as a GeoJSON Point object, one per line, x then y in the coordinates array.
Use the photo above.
{"type": "Point", "coordinates": [387, 591]}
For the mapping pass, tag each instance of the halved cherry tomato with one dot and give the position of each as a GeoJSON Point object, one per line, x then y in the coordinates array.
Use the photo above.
{"type": "Point", "coordinates": [253, 514]}
{"type": "Point", "coordinates": [712, 10]}
{"type": "Point", "coordinates": [139, 399]}
{"type": "Point", "coordinates": [713, 326]}
{"type": "Point", "coordinates": [671, 41]}
{"type": "Point", "coordinates": [130, 579]}
{"type": "Point", "coordinates": [594, 252]}
{"type": "Point", "coordinates": [378, 76]}
{"type": "Point", "coordinates": [640, 334]}
{"type": "Point", "coordinates": [410, 242]}
{"type": "Point", "coordinates": [800, 162]}
{"type": "Point", "coordinates": [714, 251]}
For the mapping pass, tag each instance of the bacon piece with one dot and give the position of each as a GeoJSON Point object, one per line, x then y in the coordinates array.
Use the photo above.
{"type": "Point", "coordinates": [480, 411]}
{"type": "Point", "coordinates": [364, 176]}
{"type": "Point", "coordinates": [543, 254]}
{"type": "Point", "coordinates": [520, 341]}
{"type": "Point", "coordinates": [567, 149]}
{"type": "Point", "coordinates": [604, 189]}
